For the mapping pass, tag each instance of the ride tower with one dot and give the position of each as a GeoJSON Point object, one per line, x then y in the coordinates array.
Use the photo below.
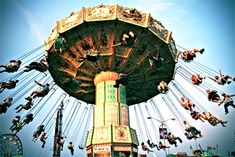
{"type": "Point", "coordinates": [105, 32]}
{"type": "Point", "coordinates": [111, 134]}
{"type": "Point", "coordinates": [58, 131]}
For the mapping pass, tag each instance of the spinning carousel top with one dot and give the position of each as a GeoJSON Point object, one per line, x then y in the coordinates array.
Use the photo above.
{"type": "Point", "coordinates": [111, 38]}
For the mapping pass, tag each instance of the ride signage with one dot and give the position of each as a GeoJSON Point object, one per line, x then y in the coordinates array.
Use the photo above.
{"type": "Point", "coordinates": [163, 133]}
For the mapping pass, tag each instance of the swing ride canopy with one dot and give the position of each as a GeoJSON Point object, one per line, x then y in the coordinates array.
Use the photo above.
{"type": "Point", "coordinates": [100, 28]}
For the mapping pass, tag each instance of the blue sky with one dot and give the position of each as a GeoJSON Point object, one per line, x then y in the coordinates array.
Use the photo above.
{"type": "Point", "coordinates": [24, 24]}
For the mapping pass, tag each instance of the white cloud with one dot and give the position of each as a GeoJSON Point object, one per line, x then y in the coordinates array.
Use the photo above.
{"type": "Point", "coordinates": [33, 24]}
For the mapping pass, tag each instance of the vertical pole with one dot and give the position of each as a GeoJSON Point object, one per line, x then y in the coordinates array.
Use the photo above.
{"type": "Point", "coordinates": [164, 139]}
{"type": "Point", "coordinates": [119, 107]}
{"type": "Point", "coordinates": [58, 131]}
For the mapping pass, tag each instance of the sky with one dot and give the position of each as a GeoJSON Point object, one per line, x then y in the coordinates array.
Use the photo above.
{"type": "Point", "coordinates": [25, 24]}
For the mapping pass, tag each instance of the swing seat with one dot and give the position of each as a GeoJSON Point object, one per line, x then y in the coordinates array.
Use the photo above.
{"type": "Point", "coordinates": [41, 68]}
{"type": "Point", "coordinates": [11, 69]}
{"type": "Point", "coordinates": [80, 147]}
{"type": "Point", "coordinates": [41, 94]}
{"type": "Point", "coordinates": [212, 122]}
{"type": "Point", "coordinates": [37, 66]}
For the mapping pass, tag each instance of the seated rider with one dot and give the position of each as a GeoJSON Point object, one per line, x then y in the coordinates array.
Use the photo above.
{"type": "Point", "coordinates": [123, 80]}
{"type": "Point", "coordinates": [191, 132]}
{"type": "Point", "coordinates": [156, 60]}
{"type": "Point", "coordinates": [213, 120]}
{"type": "Point", "coordinates": [145, 148]}
{"type": "Point", "coordinates": [28, 119]}
{"type": "Point", "coordinates": [197, 79]}
{"type": "Point", "coordinates": [190, 55]}
{"type": "Point", "coordinates": [222, 79]}
{"type": "Point", "coordinates": [17, 127]}
{"type": "Point", "coordinates": [172, 139]}
{"type": "Point", "coordinates": [59, 141]}
{"type": "Point", "coordinates": [15, 121]}
{"type": "Point", "coordinates": [228, 101]}
{"type": "Point", "coordinates": [190, 136]}
{"type": "Point", "coordinates": [11, 67]}
{"type": "Point", "coordinates": [3, 109]}
{"type": "Point", "coordinates": [213, 96]}
{"type": "Point", "coordinates": [39, 66]}
{"type": "Point", "coordinates": [38, 132]}
{"type": "Point", "coordinates": [128, 39]}
{"type": "Point", "coordinates": [41, 92]}
{"type": "Point", "coordinates": [152, 145]}
{"type": "Point", "coordinates": [5, 105]}
{"type": "Point", "coordinates": [8, 85]}
{"type": "Point", "coordinates": [162, 87]}
{"type": "Point", "coordinates": [71, 147]}
{"type": "Point", "coordinates": [162, 146]}
{"type": "Point", "coordinates": [187, 104]}
{"type": "Point", "coordinates": [43, 139]}
{"type": "Point", "coordinates": [91, 55]}
{"type": "Point", "coordinates": [26, 105]}
{"type": "Point", "coordinates": [16, 124]}
{"type": "Point", "coordinates": [196, 115]}
{"type": "Point", "coordinates": [60, 45]}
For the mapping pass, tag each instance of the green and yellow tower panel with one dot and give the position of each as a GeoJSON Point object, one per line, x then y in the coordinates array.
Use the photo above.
{"type": "Point", "coordinates": [111, 134]}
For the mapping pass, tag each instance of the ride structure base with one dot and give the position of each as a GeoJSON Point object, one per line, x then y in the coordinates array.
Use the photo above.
{"type": "Point", "coordinates": [111, 135]}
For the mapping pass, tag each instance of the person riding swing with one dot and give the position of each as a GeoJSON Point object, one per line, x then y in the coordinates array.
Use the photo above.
{"type": "Point", "coordinates": [163, 87]}
{"type": "Point", "coordinates": [188, 55]}
{"type": "Point", "coordinates": [41, 92]}
{"type": "Point", "coordinates": [222, 79]}
{"type": "Point", "coordinates": [71, 147]}
{"type": "Point", "coordinates": [39, 66]}
{"type": "Point", "coordinates": [127, 39]}
{"type": "Point", "coordinates": [11, 67]}
{"type": "Point", "coordinates": [26, 105]}
{"type": "Point", "coordinates": [172, 139]}
{"type": "Point", "coordinates": [228, 101]}
{"type": "Point", "coordinates": [38, 132]}
{"type": "Point", "coordinates": [191, 132]}
{"type": "Point", "coordinates": [145, 148]}
{"type": "Point", "coordinates": [11, 84]}
{"type": "Point", "coordinates": [5, 105]}
{"type": "Point", "coordinates": [197, 79]}
{"type": "Point", "coordinates": [152, 145]}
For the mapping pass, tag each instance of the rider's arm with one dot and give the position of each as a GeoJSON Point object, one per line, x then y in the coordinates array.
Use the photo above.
{"type": "Point", "coordinates": [38, 83]}
{"type": "Point", "coordinates": [220, 72]}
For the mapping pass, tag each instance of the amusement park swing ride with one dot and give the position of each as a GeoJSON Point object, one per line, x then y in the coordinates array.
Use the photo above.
{"type": "Point", "coordinates": [110, 57]}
